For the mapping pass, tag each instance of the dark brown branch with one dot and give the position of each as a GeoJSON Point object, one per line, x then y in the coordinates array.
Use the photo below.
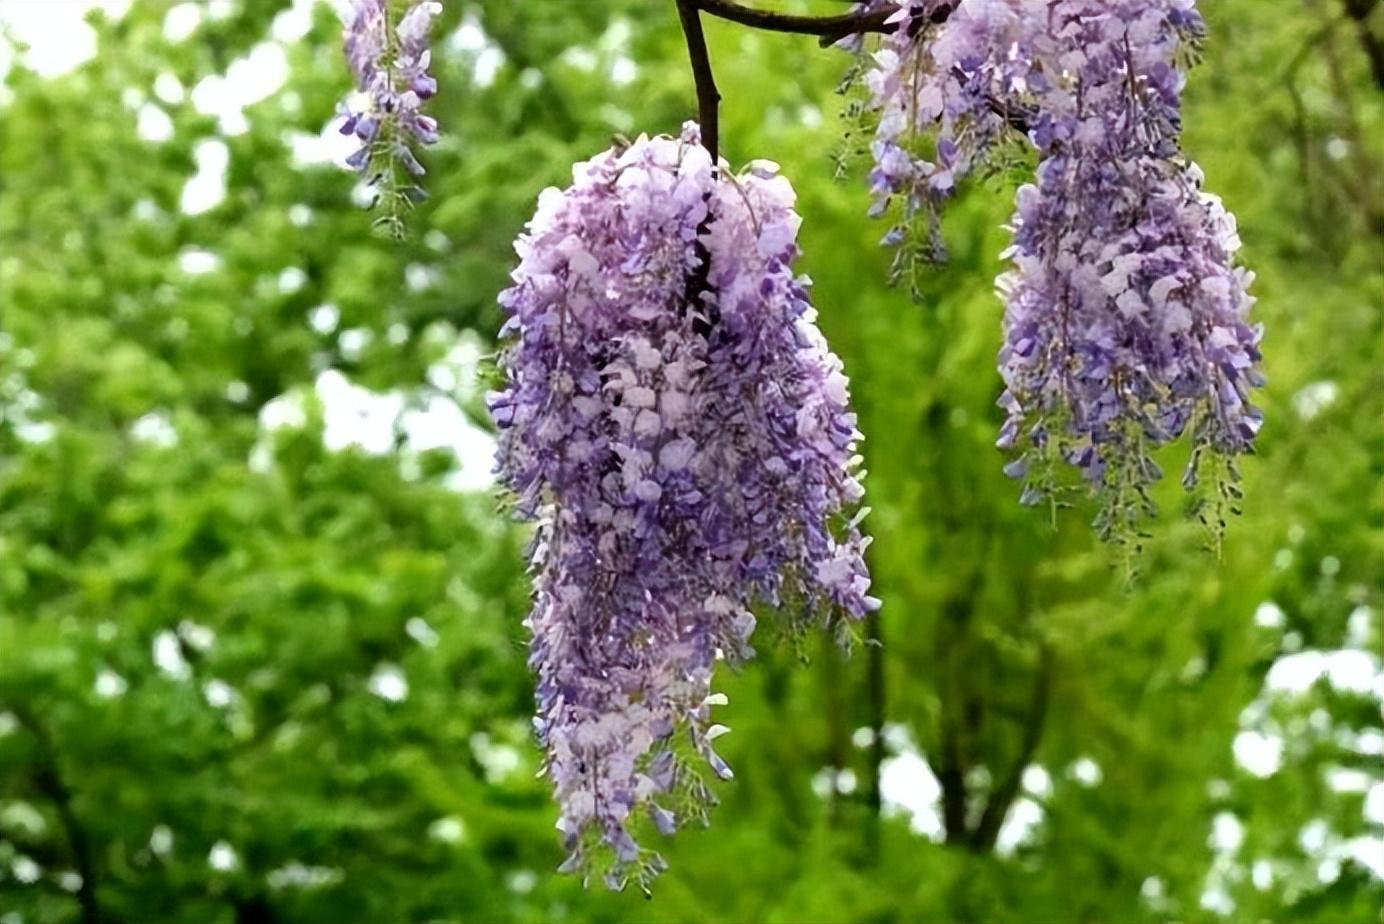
{"type": "Point", "coordinates": [997, 805]}
{"type": "Point", "coordinates": [828, 28]}
{"type": "Point", "coordinates": [951, 776]}
{"type": "Point", "coordinates": [709, 115]}
{"type": "Point", "coordinates": [1370, 41]}
{"type": "Point", "coordinates": [955, 751]}
{"type": "Point", "coordinates": [878, 707]}
{"type": "Point", "coordinates": [708, 97]}
{"type": "Point", "coordinates": [1300, 132]}
{"type": "Point", "coordinates": [49, 780]}
{"type": "Point", "coordinates": [838, 744]}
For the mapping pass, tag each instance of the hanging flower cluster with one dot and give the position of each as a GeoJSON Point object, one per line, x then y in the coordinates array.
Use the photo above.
{"type": "Point", "coordinates": [675, 425]}
{"type": "Point", "coordinates": [390, 62]}
{"type": "Point", "coordinates": [1126, 318]}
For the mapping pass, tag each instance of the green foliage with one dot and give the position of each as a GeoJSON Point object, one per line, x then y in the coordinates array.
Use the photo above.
{"type": "Point", "coordinates": [272, 769]}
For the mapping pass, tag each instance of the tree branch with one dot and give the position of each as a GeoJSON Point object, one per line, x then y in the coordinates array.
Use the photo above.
{"type": "Point", "coordinates": [951, 776]}
{"type": "Point", "coordinates": [50, 782]}
{"type": "Point", "coordinates": [997, 806]}
{"type": "Point", "coordinates": [955, 753]}
{"type": "Point", "coordinates": [878, 707]}
{"type": "Point", "coordinates": [708, 97]}
{"type": "Point", "coordinates": [709, 116]}
{"type": "Point", "coordinates": [828, 28]}
{"type": "Point", "coordinates": [1373, 45]}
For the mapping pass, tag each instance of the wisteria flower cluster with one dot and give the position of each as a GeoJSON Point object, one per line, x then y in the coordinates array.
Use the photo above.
{"type": "Point", "coordinates": [676, 427]}
{"type": "Point", "coordinates": [389, 61]}
{"type": "Point", "coordinates": [1126, 319]}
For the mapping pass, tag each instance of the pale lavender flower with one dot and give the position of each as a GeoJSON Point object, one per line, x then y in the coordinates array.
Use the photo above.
{"type": "Point", "coordinates": [685, 454]}
{"type": "Point", "coordinates": [1126, 318]}
{"type": "Point", "coordinates": [390, 62]}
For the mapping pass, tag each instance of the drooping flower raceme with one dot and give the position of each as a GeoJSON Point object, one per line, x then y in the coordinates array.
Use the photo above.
{"type": "Point", "coordinates": [1126, 318]}
{"type": "Point", "coordinates": [675, 425]}
{"type": "Point", "coordinates": [389, 61]}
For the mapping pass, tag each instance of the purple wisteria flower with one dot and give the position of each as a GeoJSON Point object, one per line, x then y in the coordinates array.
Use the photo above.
{"type": "Point", "coordinates": [389, 61]}
{"type": "Point", "coordinates": [1126, 319]}
{"type": "Point", "coordinates": [681, 436]}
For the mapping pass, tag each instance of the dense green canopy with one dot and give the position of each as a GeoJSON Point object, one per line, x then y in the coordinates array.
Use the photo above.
{"type": "Point", "coordinates": [251, 670]}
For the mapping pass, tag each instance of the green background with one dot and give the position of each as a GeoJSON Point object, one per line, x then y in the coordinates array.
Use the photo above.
{"type": "Point", "coordinates": [259, 775]}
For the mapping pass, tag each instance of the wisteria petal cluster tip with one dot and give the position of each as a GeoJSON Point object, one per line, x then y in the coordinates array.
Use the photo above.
{"type": "Point", "coordinates": [390, 63]}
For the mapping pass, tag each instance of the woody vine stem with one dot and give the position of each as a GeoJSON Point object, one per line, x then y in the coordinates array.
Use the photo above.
{"type": "Point", "coordinates": [828, 29]}
{"type": "Point", "coordinates": [708, 96]}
